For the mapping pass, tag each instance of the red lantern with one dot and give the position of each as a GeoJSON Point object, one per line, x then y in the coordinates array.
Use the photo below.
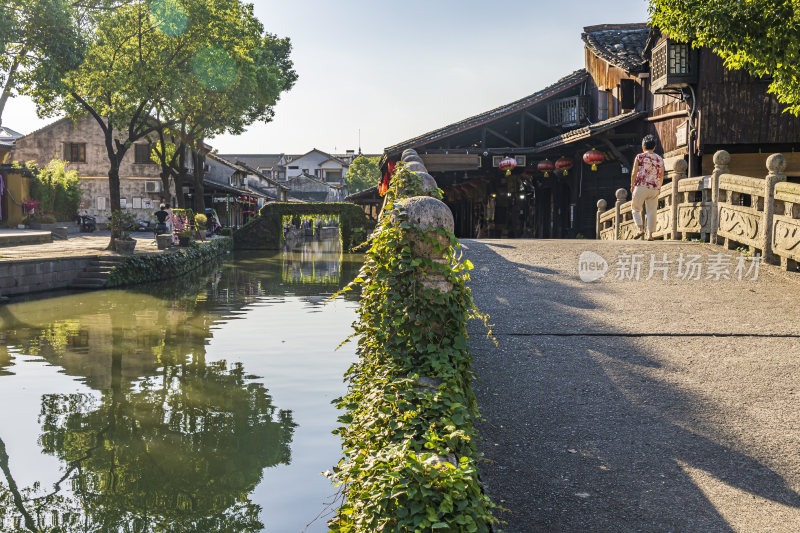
{"type": "Point", "coordinates": [594, 157]}
{"type": "Point", "coordinates": [545, 166]}
{"type": "Point", "coordinates": [563, 165]}
{"type": "Point", "coordinates": [508, 164]}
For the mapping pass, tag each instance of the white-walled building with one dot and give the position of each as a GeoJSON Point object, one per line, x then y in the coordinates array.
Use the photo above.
{"type": "Point", "coordinates": [325, 167]}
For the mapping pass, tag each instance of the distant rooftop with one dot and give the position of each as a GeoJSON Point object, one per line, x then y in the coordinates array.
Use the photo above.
{"type": "Point", "coordinates": [256, 161]}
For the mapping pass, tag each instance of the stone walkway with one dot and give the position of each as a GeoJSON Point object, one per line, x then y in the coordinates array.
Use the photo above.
{"type": "Point", "coordinates": [81, 245]}
{"type": "Point", "coordinates": [625, 405]}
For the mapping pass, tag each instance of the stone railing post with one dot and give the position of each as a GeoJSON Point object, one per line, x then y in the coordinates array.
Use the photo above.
{"type": "Point", "coordinates": [601, 208]}
{"type": "Point", "coordinates": [721, 161]}
{"type": "Point", "coordinates": [679, 172]}
{"type": "Point", "coordinates": [621, 195]}
{"type": "Point", "coordinates": [776, 164]}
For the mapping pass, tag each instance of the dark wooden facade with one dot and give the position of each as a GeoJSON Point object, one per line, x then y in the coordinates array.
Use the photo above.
{"type": "Point", "coordinates": [733, 112]}
{"type": "Point", "coordinates": [609, 106]}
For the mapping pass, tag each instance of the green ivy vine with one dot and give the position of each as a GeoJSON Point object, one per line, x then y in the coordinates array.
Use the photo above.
{"type": "Point", "coordinates": [144, 268]}
{"type": "Point", "coordinates": [409, 459]}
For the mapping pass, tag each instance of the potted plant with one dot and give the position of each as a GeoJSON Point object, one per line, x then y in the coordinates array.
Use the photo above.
{"type": "Point", "coordinates": [185, 237]}
{"type": "Point", "coordinates": [122, 222]}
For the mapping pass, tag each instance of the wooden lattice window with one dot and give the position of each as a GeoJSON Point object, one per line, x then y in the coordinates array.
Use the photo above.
{"type": "Point", "coordinates": [75, 152]}
{"type": "Point", "coordinates": [671, 66]}
{"type": "Point", "coordinates": [567, 112]}
{"type": "Point", "coordinates": [141, 154]}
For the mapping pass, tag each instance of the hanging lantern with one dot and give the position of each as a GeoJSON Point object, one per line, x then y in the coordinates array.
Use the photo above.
{"type": "Point", "coordinates": [508, 164]}
{"type": "Point", "coordinates": [563, 165]}
{"type": "Point", "coordinates": [546, 166]}
{"type": "Point", "coordinates": [594, 157]}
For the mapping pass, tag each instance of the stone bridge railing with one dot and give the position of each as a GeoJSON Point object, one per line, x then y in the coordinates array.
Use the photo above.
{"type": "Point", "coordinates": [760, 214]}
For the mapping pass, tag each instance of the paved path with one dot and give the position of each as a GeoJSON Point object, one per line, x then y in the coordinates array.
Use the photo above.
{"type": "Point", "coordinates": [624, 405]}
{"type": "Point", "coordinates": [81, 245]}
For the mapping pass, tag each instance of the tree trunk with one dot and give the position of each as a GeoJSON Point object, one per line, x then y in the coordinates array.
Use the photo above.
{"type": "Point", "coordinates": [180, 179]}
{"type": "Point", "coordinates": [11, 78]}
{"type": "Point", "coordinates": [114, 193]}
{"type": "Point", "coordinates": [198, 200]}
{"type": "Point", "coordinates": [165, 174]}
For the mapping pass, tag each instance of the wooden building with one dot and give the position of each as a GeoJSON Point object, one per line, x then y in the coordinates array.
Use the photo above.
{"type": "Point", "coordinates": [627, 88]}
{"type": "Point", "coordinates": [699, 106]}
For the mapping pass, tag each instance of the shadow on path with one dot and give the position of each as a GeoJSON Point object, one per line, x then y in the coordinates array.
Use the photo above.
{"type": "Point", "coordinates": [577, 434]}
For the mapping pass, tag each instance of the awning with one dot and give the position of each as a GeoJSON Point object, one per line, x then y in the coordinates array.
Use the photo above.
{"type": "Point", "coordinates": [587, 131]}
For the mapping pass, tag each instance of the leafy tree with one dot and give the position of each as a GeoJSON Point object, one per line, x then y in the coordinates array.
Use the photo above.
{"type": "Point", "coordinates": [363, 173]}
{"type": "Point", "coordinates": [234, 83]}
{"type": "Point", "coordinates": [761, 36]}
{"type": "Point", "coordinates": [39, 40]}
{"type": "Point", "coordinates": [146, 58]}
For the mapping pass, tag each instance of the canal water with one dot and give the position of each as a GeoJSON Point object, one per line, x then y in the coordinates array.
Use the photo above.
{"type": "Point", "coordinates": [203, 404]}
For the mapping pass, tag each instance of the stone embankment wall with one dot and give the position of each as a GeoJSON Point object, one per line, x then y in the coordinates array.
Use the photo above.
{"type": "Point", "coordinates": [36, 275]}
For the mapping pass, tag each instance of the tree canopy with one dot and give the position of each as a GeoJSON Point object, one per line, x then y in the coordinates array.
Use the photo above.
{"type": "Point", "coordinates": [761, 36]}
{"type": "Point", "coordinates": [193, 68]}
{"type": "Point", "coordinates": [364, 172]}
{"type": "Point", "coordinates": [39, 41]}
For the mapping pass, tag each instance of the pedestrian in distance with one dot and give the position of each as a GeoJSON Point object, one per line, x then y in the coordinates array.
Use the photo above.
{"type": "Point", "coordinates": [647, 176]}
{"type": "Point", "coordinates": [161, 216]}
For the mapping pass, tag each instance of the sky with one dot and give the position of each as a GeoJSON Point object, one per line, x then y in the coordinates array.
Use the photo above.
{"type": "Point", "coordinates": [396, 70]}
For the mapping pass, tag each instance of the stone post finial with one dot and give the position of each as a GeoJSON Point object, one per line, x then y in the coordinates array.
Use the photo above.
{"type": "Point", "coordinates": [622, 195]}
{"type": "Point", "coordinates": [679, 172]}
{"type": "Point", "coordinates": [776, 164]}
{"type": "Point", "coordinates": [412, 159]}
{"type": "Point", "coordinates": [601, 208]}
{"type": "Point", "coordinates": [415, 166]}
{"type": "Point", "coordinates": [429, 215]}
{"type": "Point", "coordinates": [721, 161]}
{"type": "Point", "coordinates": [409, 151]}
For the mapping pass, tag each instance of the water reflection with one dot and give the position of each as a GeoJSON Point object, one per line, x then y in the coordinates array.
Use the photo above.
{"type": "Point", "coordinates": [313, 261]}
{"type": "Point", "coordinates": [160, 439]}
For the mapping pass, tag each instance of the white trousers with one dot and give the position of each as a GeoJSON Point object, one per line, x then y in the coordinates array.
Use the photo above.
{"type": "Point", "coordinates": [643, 195]}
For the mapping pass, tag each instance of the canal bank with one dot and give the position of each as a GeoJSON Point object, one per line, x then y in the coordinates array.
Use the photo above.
{"type": "Point", "coordinates": [69, 263]}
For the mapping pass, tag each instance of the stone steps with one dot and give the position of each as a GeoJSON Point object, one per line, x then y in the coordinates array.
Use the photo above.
{"type": "Point", "coordinates": [96, 274]}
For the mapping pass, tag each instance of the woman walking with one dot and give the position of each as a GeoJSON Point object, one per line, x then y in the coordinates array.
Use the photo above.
{"type": "Point", "coordinates": [647, 176]}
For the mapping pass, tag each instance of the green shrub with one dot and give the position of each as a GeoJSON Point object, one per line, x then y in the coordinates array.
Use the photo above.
{"type": "Point", "coordinates": [57, 189]}
{"type": "Point", "coordinates": [144, 268]}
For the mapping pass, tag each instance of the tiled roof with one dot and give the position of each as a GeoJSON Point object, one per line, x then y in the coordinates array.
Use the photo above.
{"type": "Point", "coordinates": [620, 45]}
{"type": "Point", "coordinates": [366, 194]}
{"type": "Point", "coordinates": [573, 79]}
{"type": "Point", "coordinates": [263, 176]}
{"type": "Point", "coordinates": [255, 160]}
{"type": "Point", "coordinates": [227, 162]}
{"type": "Point", "coordinates": [8, 133]}
{"type": "Point", "coordinates": [588, 131]}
